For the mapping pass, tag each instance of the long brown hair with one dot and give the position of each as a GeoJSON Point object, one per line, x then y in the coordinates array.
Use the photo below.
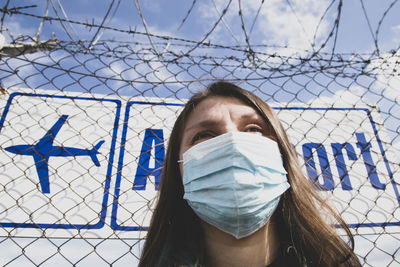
{"type": "Point", "coordinates": [175, 235]}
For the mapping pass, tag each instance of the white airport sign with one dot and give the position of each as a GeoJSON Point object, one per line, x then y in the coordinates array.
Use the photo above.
{"type": "Point", "coordinates": [82, 165]}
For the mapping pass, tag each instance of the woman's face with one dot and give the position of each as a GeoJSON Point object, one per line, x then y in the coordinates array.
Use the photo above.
{"type": "Point", "coordinates": [218, 115]}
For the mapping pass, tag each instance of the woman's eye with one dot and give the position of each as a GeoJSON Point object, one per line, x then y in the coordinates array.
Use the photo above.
{"type": "Point", "coordinates": [254, 129]}
{"type": "Point", "coordinates": [202, 136]}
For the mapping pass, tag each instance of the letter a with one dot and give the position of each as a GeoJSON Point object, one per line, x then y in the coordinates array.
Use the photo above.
{"type": "Point", "coordinates": [143, 169]}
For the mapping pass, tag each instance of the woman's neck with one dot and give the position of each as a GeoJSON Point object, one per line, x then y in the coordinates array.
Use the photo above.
{"type": "Point", "coordinates": [258, 249]}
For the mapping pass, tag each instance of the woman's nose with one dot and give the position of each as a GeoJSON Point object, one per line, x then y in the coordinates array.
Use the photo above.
{"type": "Point", "coordinates": [229, 126]}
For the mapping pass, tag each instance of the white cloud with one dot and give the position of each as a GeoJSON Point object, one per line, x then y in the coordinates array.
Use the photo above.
{"type": "Point", "coordinates": [387, 69]}
{"type": "Point", "coordinates": [357, 90]}
{"type": "Point", "coordinates": [277, 24]}
{"type": "Point", "coordinates": [343, 98]}
{"type": "Point", "coordinates": [396, 29]}
{"type": "Point", "coordinates": [284, 25]}
{"type": "Point", "coordinates": [387, 87]}
{"type": "Point", "coordinates": [15, 29]}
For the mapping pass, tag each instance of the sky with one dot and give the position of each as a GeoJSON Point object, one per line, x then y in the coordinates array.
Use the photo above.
{"type": "Point", "coordinates": [367, 29]}
{"type": "Point", "coordinates": [274, 23]}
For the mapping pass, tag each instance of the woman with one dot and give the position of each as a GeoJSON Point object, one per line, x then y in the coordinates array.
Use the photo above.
{"type": "Point", "coordinates": [272, 217]}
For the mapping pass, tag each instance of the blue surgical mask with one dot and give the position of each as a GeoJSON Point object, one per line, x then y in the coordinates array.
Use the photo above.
{"type": "Point", "coordinates": [234, 181]}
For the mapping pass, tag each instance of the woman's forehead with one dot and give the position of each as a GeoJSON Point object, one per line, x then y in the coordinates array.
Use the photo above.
{"type": "Point", "coordinates": [216, 112]}
{"type": "Point", "coordinates": [220, 106]}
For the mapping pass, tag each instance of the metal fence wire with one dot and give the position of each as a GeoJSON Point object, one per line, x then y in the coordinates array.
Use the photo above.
{"type": "Point", "coordinates": [84, 124]}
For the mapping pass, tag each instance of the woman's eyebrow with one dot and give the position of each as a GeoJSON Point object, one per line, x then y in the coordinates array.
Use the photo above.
{"type": "Point", "coordinates": [210, 123]}
{"type": "Point", "coordinates": [251, 115]}
{"type": "Point", "coordinates": [203, 124]}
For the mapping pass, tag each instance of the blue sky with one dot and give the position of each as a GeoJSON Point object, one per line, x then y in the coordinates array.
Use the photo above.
{"type": "Point", "coordinates": [293, 28]}
{"type": "Point", "coordinates": [277, 22]}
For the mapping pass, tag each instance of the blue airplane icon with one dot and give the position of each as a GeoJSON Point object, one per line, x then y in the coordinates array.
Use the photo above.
{"type": "Point", "coordinates": [44, 149]}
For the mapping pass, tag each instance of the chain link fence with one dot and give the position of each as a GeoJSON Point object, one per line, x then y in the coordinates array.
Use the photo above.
{"type": "Point", "coordinates": [84, 125]}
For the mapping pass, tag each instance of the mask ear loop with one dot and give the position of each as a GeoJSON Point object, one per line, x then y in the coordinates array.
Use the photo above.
{"type": "Point", "coordinates": [180, 161]}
